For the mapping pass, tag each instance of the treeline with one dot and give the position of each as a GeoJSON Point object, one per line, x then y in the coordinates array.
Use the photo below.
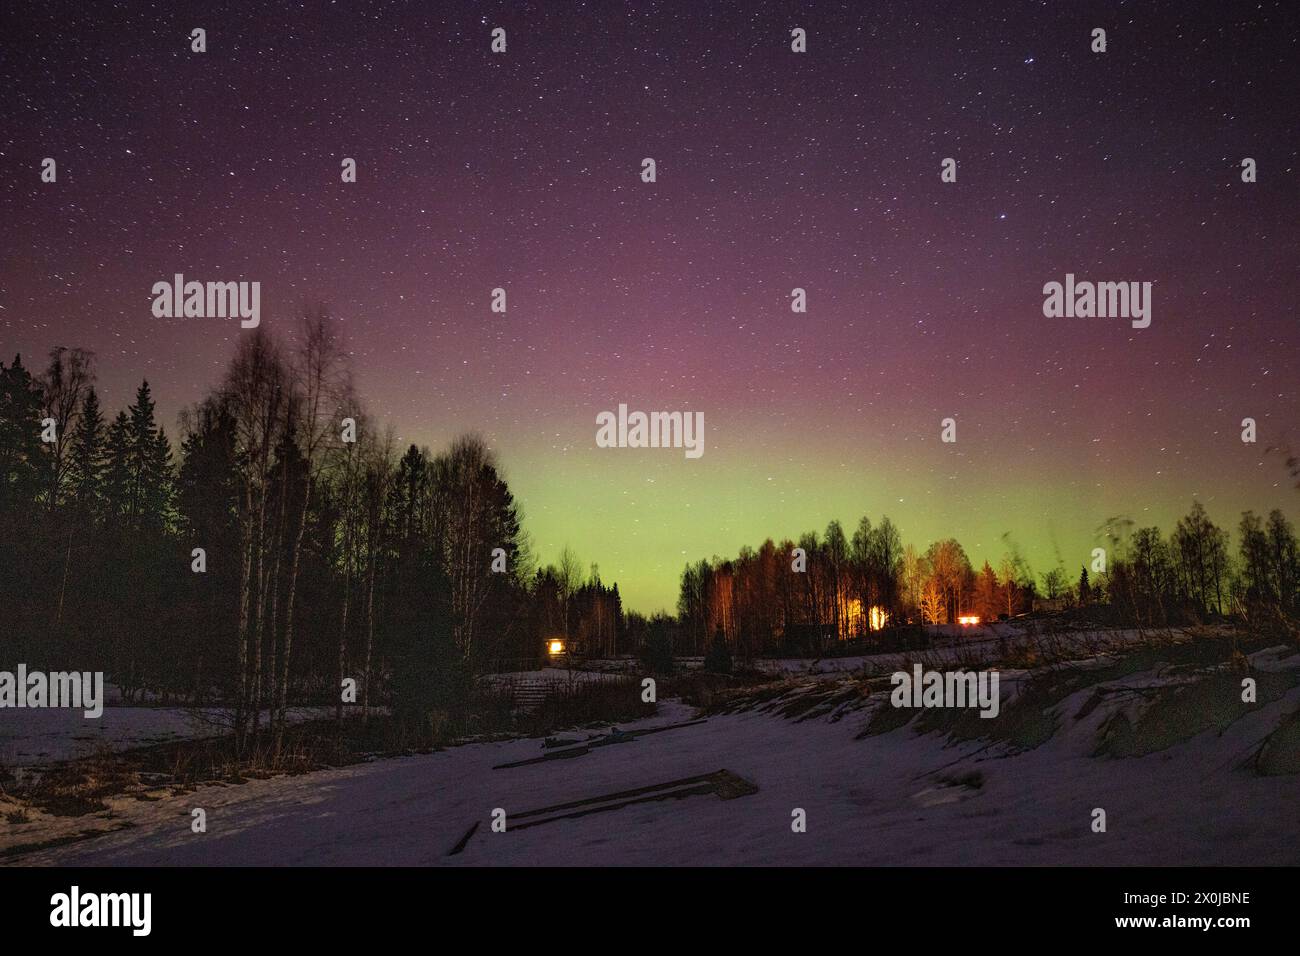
{"type": "Point", "coordinates": [282, 547]}
{"type": "Point", "coordinates": [801, 597]}
{"type": "Point", "coordinates": [1193, 574]}
{"type": "Point", "coordinates": [811, 591]}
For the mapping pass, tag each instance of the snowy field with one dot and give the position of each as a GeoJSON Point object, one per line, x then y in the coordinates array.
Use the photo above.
{"type": "Point", "coordinates": [895, 798]}
{"type": "Point", "coordinates": [954, 645]}
{"type": "Point", "coordinates": [550, 675]}
{"type": "Point", "coordinates": [33, 737]}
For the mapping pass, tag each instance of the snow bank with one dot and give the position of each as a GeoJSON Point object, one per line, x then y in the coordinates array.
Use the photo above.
{"type": "Point", "coordinates": [896, 798]}
{"type": "Point", "coordinates": [31, 737]}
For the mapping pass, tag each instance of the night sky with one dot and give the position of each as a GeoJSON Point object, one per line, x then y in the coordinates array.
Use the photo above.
{"type": "Point", "coordinates": [776, 170]}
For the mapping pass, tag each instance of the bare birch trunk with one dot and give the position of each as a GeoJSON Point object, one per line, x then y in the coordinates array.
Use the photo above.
{"type": "Point", "coordinates": [282, 692]}
{"type": "Point", "coordinates": [245, 583]}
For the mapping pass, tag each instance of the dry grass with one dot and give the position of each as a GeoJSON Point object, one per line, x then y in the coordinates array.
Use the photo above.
{"type": "Point", "coordinates": [83, 786]}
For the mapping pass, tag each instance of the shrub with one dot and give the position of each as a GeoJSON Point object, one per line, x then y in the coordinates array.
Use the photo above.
{"type": "Point", "coordinates": [657, 652]}
{"type": "Point", "coordinates": [718, 658]}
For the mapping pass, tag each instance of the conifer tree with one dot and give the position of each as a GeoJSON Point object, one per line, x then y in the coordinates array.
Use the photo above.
{"type": "Point", "coordinates": [20, 441]}
{"type": "Point", "coordinates": [88, 453]}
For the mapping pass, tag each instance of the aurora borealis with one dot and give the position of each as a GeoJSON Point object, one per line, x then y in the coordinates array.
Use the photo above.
{"type": "Point", "coordinates": [776, 170]}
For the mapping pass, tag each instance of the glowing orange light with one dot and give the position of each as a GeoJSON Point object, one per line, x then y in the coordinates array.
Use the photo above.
{"type": "Point", "coordinates": [965, 620]}
{"type": "Point", "coordinates": [556, 647]}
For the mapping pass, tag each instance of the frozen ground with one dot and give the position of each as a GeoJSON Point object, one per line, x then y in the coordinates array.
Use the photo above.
{"type": "Point", "coordinates": [550, 675]}
{"type": "Point", "coordinates": [40, 736]}
{"type": "Point", "coordinates": [952, 644]}
{"type": "Point", "coordinates": [880, 800]}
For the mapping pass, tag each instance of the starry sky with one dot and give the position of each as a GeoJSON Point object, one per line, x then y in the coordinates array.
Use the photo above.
{"type": "Point", "coordinates": [775, 170]}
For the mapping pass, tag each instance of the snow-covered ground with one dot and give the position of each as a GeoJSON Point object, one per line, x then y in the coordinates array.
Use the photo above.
{"type": "Point", "coordinates": [953, 644]}
{"type": "Point", "coordinates": [881, 800]}
{"type": "Point", "coordinates": [550, 675]}
{"type": "Point", "coordinates": [45, 735]}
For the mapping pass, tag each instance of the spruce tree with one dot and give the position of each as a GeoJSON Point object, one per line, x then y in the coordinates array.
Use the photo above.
{"type": "Point", "coordinates": [143, 437]}
{"type": "Point", "coordinates": [159, 483]}
{"type": "Point", "coordinates": [117, 471]}
{"type": "Point", "coordinates": [20, 439]}
{"type": "Point", "coordinates": [88, 453]}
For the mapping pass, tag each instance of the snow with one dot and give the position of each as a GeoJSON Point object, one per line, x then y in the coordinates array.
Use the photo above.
{"type": "Point", "coordinates": [954, 645]}
{"type": "Point", "coordinates": [37, 736]}
{"type": "Point", "coordinates": [887, 799]}
{"type": "Point", "coordinates": [550, 675]}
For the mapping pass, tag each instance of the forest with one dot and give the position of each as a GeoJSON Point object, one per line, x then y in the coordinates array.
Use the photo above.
{"type": "Point", "coordinates": [802, 596]}
{"type": "Point", "coordinates": [284, 543]}
{"type": "Point", "coordinates": [278, 546]}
